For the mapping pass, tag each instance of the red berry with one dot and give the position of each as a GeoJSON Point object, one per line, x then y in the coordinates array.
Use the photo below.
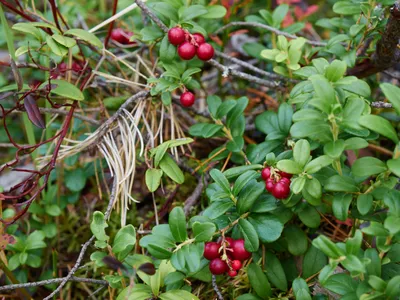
{"type": "Point", "coordinates": [239, 252]}
{"type": "Point", "coordinates": [199, 38]}
{"type": "Point", "coordinates": [176, 36]}
{"type": "Point", "coordinates": [211, 250]}
{"type": "Point", "coordinates": [281, 190]}
{"type": "Point", "coordinates": [186, 50]}
{"type": "Point", "coordinates": [232, 273]}
{"type": "Point", "coordinates": [284, 174]}
{"type": "Point", "coordinates": [187, 99]}
{"type": "Point", "coordinates": [285, 180]}
{"type": "Point", "coordinates": [76, 67]}
{"type": "Point", "coordinates": [205, 51]}
{"type": "Point", "coordinates": [121, 36]}
{"type": "Point", "coordinates": [218, 266]}
{"type": "Point", "coordinates": [269, 185]}
{"type": "Point", "coordinates": [266, 173]}
{"type": "Point", "coordinates": [236, 264]}
{"type": "Point", "coordinates": [62, 67]}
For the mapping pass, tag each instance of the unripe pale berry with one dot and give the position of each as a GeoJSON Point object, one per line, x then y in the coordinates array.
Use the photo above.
{"type": "Point", "coordinates": [211, 250]}
{"type": "Point", "coordinates": [186, 50]}
{"type": "Point", "coordinates": [187, 99]}
{"type": "Point", "coordinates": [176, 36]}
{"type": "Point", "coordinates": [205, 51]}
{"type": "Point", "coordinates": [218, 266]}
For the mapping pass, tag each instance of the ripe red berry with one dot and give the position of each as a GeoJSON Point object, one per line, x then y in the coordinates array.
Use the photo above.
{"type": "Point", "coordinates": [205, 51]}
{"type": "Point", "coordinates": [236, 264]}
{"type": "Point", "coordinates": [76, 67]}
{"type": "Point", "coordinates": [218, 266]}
{"type": "Point", "coordinates": [211, 250]}
{"type": "Point", "coordinates": [281, 190]}
{"type": "Point", "coordinates": [121, 36]}
{"type": "Point", "coordinates": [232, 273]}
{"type": "Point", "coordinates": [285, 180]}
{"type": "Point", "coordinates": [187, 99]}
{"type": "Point", "coordinates": [62, 67]}
{"type": "Point", "coordinates": [284, 174]}
{"type": "Point", "coordinates": [199, 38]}
{"type": "Point", "coordinates": [186, 50]}
{"type": "Point", "coordinates": [176, 36]}
{"type": "Point", "coordinates": [266, 173]}
{"type": "Point", "coordinates": [269, 185]}
{"type": "Point", "coordinates": [239, 251]}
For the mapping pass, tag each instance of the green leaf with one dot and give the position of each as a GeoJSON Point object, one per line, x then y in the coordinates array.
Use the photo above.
{"type": "Point", "coordinates": [279, 14]}
{"type": "Point", "coordinates": [301, 290]}
{"type": "Point", "coordinates": [334, 149]}
{"type": "Point", "coordinates": [191, 12]}
{"type": "Point", "coordinates": [28, 28]}
{"type": "Point", "coordinates": [188, 73]}
{"type": "Point", "coordinates": [392, 93]}
{"type": "Point", "coordinates": [340, 205]}
{"type": "Point", "coordinates": [85, 36]}
{"type": "Point", "coordinates": [289, 166]}
{"type": "Point", "coordinates": [394, 166]}
{"type": "Point", "coordinates": [301, 153]}
{"type": "Point", "coordinates": [242, 180]}
{"type": "Point", "coordinates": [98, 226]}
{"type": "Point", "coordinates": [204, 130]}
{"type": "Point", "coordinates": [341, 284]}
{"type": "Point", "coordinates": [75, 180]}
{"type": "Point", "coordinates": [328, 247]}
{"type": "Point", "coordinates": [177, 224]}
{"type": "Point", "coordinates": [218, 208]}
{"type": "Point", "coordinates": [35, 240]}
{"type": "Point", "coordinates": [171, 169]}
{"type": "Point", "coordinates": [364, 203]}
{"type": "Point", "coordinates": [175, 295]}
{"type": "Point", "coordinates": [379, 125]}
{"type": "Point", "coordinates": [167, 50]}
{"type": "Point", "coordinates": [339, 183]}
{"type": "Point", "coordinates": [275, 273]}
{"type": "Point", "coordinates": [285, 113]}
{"type": "Point", "coordinates": [313, 262]}
{"type": "Point", "coordinates": [249, 195]}
{"type": "Point", "coordinates": [7, 34]}
{"type": "Point", "coordinates": [258, 280]}
{"type": "Point", "coordinates": [296, 240]}
{"type": "Point", "coordinates": [153, 179]}
{"type": "Point", "coordinates": [375, 229]}
{"type": "Point", "coordinates": [393, 288]}
{"type": "Point", "coordinates": [268, 227]}
{"type": "Point", "coordinates": [251, 242]}
{"type": "Point", "coordinates": [355, 143]}
{"type": "Point", "coordinates": [53, 210]}
{"type": "Point", "coordinates": [324, 91]}
{"type": "Point", "coordinates": [236, 171]}
{"type": "Point", "coordinates": [225, 108]}
{"type": "Point", "coordinates": [297, 184]}
{"type": "Point", "coordinates": [317, 164]}
{"type": "Point", "coordinates": [374, 267]}
{"type": "Point", "coordinates": [220, 179]}
{"type": "Point", "coordinates": [214, 12]}
{"type": "Point", "coordinates": [353, 244]}
{"type": "Point", "coordinates": [65, 89]}
{"type": "Point", "coordinates": [55, 47]}
{"type": "Point", "coordinates": [124, 241]}
{"type": "Point", "coordinates": [63, 40]}
{"type": "Point", "coordinates": [346, 8]}
{"type": "Point", "coordinates": [367, 166]}
{"type": "Point", "coordinates": [310, 217]}
{"type": "Point", "coordinates": [203, 231]}
{"type": "Point", "coordinates": [213, 103]}
{"type": "Point", "coordinates": [392, 223]}
{"type": "Point", "coordinates": [335, 70]}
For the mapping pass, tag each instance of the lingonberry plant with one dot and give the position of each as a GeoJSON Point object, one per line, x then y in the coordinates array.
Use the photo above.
{"type": "Point", "coordinates": [200, 149]}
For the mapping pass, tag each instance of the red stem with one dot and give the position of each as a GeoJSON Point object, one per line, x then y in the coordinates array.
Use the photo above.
{"type": "Point", "coordinates": [110, 28]}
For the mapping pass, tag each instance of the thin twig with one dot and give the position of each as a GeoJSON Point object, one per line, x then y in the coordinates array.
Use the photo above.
{"type": "Point", "coordinates": [148, 12]}
{"type": "Point", "coordinates": [85, 245]}
{"type": "Point", "coordinates": [51, 281]}
{"type": "Point", "coordinates": [269, 28]}
{"type": "Point", "coordinates": [216, 289]}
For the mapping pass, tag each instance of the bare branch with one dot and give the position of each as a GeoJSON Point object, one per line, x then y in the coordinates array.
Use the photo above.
{"type": "Point", "coordinates": [269, 28]}
{"type": "Point", "coordinates": [216, 289]}
{"type": "Point", "coordinates": [152, 16]}
{"type": "Point", "coordinates": [51, 281]}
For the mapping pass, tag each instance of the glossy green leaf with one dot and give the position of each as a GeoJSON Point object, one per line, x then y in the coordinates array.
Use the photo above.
{"type": "Point", "coordinates": [340, 205]}
{"type": "Point", "coordinates": [153, 179]}
{"type": "Point", "coordinates": [392, 93]}
{"type": "Point", "coordinates": [249, 195]}
{"type": "Point", "coordinates": [314, 260]}
{"type": "Point", "coordinates": [367, 166]}
{"type": "Point", "coordinates": [379, 125]}
{"type": "Point", "coordinates": [203, 231]}
{"type": "Point", "coordinates": [258, 280]}
{"type": "Point", "coordinates": [177, 224]}
{"type": "Point", "coordinates": [85, 36]}
{"type": "Point", "coordinates": [296, 240]}
{"type": "Point", "coordinates": [301, 152]}
{"type": "Point", "coordinates": [251, 242]}
{"type": "Point", "coordinates": [275, 273]}
{"type": "Point", "coordinates": [98, 225]}
{"type": "Point", "coordinates": [171, 169]}
{"type": "Point", "coordinates": [268, 227]}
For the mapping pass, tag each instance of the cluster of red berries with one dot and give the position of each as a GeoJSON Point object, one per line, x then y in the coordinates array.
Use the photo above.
{"type": "Point", "coordinates": [190, 44]}
{"type": "Point", "coordinates": [122, 36]}
{"type": "Point", "coordinates": [277, 182]}
{"type": "Point", "coordinates": [230, 263]}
